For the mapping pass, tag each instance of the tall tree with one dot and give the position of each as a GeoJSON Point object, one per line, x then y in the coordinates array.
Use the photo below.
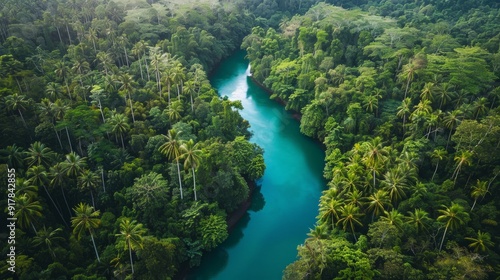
{"type": "Point", "coordinates": [88, 180]}
{"type": "Point", "coordinates": [48, 237]}
{"type": "Point", "coordinates": [172, 150]}
{"type": "Point", "coordinates": [131, 232]}
{"type": "Point", "coordinates": [438, 155]}
{"type": "Point", "coordinates": [191, 156]}
{"type": "Point", "coordinates": [18, 103]}
{"type": "Point", "coordinates": [453, 217]}
{"type": "Point", "coordinates": [128, 87]}
{"type": "Point", "coordinates": [27, 210]}
{"type": "Point", "coordinates": [37, 175]}
{"type": "Point", "coordinates": [119, 126]}
{"type": "Point", "coordinates": [481, 243]}
{"type": "Point", "coordinates": [480, 189]}
{"type": "Point", "coordinates": [86, 219]}
{"type": "Point", "coordinates": [350, 215]}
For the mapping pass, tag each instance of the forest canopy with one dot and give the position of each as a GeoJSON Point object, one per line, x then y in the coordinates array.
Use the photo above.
{"type": "Point", "coordinates": [404, 96]}
{"type": "Point", "coordinates": [126, 160]}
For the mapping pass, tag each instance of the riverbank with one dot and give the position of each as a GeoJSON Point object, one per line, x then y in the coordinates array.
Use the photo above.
{"type": "Point", "coordinates": [231, 220]}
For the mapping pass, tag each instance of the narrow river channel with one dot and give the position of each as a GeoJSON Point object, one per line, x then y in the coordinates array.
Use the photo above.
{"type": "Point", "coordinates": [283, 209]}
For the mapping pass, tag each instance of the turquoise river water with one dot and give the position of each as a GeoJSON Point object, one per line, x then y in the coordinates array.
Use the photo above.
{"type": "Point", "coordinates": [285, 205]}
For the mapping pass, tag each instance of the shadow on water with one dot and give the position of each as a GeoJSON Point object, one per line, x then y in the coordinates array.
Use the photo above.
{"type": "Point", "coordinates": [258, 200]}
{"type": "Point", "coordinates": [218, 261]}
{"type": "Point", "coordinates": [237, 232]}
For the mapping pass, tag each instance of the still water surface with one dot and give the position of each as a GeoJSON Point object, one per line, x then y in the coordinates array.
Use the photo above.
{"type": "Point", "coordinates": [283, 209]}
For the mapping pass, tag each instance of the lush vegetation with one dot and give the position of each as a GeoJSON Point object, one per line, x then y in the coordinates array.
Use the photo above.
{"type": "Point", "coordinates": [126, 160]}
{"type": "Point", "coordinates": [404, 95]}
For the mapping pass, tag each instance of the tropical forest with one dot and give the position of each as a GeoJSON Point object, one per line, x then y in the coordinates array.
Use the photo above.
{"type": "Point", "coordinates": [259, 139]}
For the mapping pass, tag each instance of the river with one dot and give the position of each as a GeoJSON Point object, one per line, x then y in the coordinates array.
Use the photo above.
{"type": "Point", "coordinates": [285, 205]}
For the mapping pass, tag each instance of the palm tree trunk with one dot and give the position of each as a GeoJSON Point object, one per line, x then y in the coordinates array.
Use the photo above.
{"type": "Point", "coordinates": [442, 240]}
{"type": "Point", "coordinates": [147, 68]}
{"type": "Point", "coordinates": [473, 205]}
{"type": "Point", "coordinates": [130, 254]}
{"type": "Point", "coordinates": [102, 178]}
{"type": "Point", "coordinates": [95, 248]}
{"type": "Point", "coordinates": [406, 90]}
{"type": "Point", "coordinates": [33, 226]}
{"type": "Point", "coordinates": [192, 105]}
{"type": "Point", "coordinates": [131, 107]}
{"type": "Point", "coordinates": [58, 137]}
{"type": "Point", "coordinates": [69, 139]}
{"type": "Point", "coordinates": [22, 118]}
{"type": "Point", "coordinates": [435, 170]}
{"type": "Point", "coordinates": [194, 185]}
{"type": "Point", "coordinates": [374, 187]}
{"type": "Point", "coordinates": [65, 200]}
{"type": "Point", "coordinates": [121, 136]}
{"type": "Point", "coordinates": [180, 182]}
{"type": "Point", "coordinates": [102, 113]}
{"type": "Point", "coordinates": [55, 205]}
{"type": "Point", "coordinates": [92, 197]}
{"type": "Point", "coordinates": [140, 67]}
{"type": "Point", "coordinates": [355, 239]}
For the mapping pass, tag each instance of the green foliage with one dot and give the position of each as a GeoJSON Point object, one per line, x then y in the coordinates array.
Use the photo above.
{"type": "Point", "coordinates": [404, 100]}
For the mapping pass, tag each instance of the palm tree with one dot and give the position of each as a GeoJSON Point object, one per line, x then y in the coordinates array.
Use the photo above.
{"type": "Point", "coordinates": [480, 106]}
{"type": "Point", "coordinates": [395, 182]}
{"type": "Point", "coordinates": [27, 210]}
{"type": "Point", "coordinates": [192, 156]}
{"type": "Point", "coordinates": [172, 150]}
{"type": "Point", "coordinates": [404, 110]}
{"type": "Point", "coordinates": [480, 189]}
{"type": "Point", "coordinates": [25, 187]}
{"type": "Point", "coordinates": [174, 111]}
{"type": "Point", "coordinates": [128, 87]}
{"type": "Point", "coordinates": [189, 89]}
{"type": "Point", "coordinates": [132, 233]}
{"type": "Point", "coordinates": [377, 202]}
{"type": "Point", "coordinates": [74, 164]}
{"type": "Point", "coordinates": [393, 217]}
{"type": "Point", "coordinates": [86, 219]}
{"type": "Point", "coordinates": [370, 103]}
{"type": "Point", "coordinates": [137, 51]}
{"type": "Point", "coordinates": [59, 109]}
{"type": "Point", "coordinates": [451, 120]}
{"type": "Point", "coordinates": [88, 180]}
{"type": "Point", "coordinates": [375, 156]}
{"type": "Point", "coordinates": [59, 179]}
{"type": "Point", "coordinates": [13, 156]}
{"type": "Point", "coordinates": [48, 237]}
{"type": "Point", "coordinates": [481, 243]}
{"type": "Point", "coordinates": [156, 59]}
{"type": "Point", "coordinates": [453, 217]}
{"type": "Point", "coordinates": [464, 158]}
{"type": "Point", "coordinates": [39, 154]}
{"type": "Point", "coordinates": [16, 102]}
{"type": "Point", "coordinates": [350, 214]}
{"type": "Point", "coordinates": [119, 126]}
{"type": "Point", "coordinates": [329, 208]}
{"type": "Point", "coordinates": [418, 218]}
{"type": "Point", "coordinates": [38, 176]}
{"type": "Point", "coordinates": [62, 72]}
{"type": "Point", "coordinates": [408, 74]}
{"type": "Point", "coordinates": [428, 91]}
{"type": "Point", "coordinates": [105, 61]}
{"type": "Point", "coordinates": [438, 154]}
{"type": "Point", "coordinates": [445, 94]}
{"type": "Point", "coordinates": [354, 197]}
